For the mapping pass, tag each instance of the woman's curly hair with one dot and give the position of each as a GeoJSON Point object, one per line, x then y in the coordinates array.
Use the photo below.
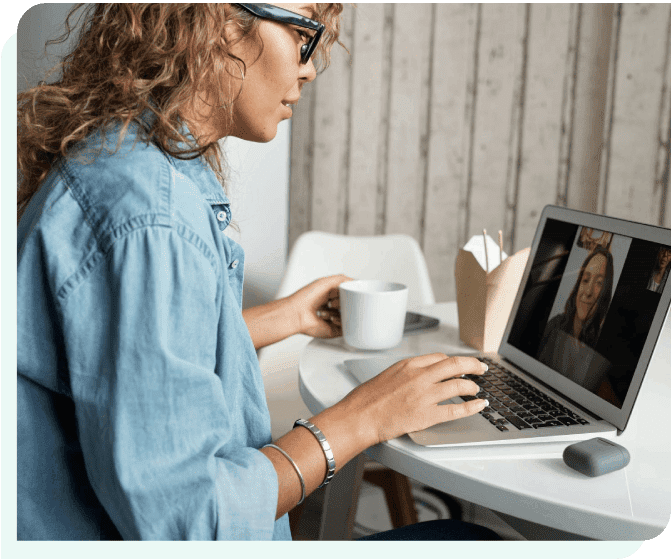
{"type": "Point", "coordinates": [130, 58]}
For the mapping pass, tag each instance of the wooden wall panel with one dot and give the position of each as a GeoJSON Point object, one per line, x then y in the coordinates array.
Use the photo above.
{"type": "Point", "coordinates": [407, 128]}
{"type": "Point", "coordinates": [498, 100]}
{"type": "Point", "coordinates": [369, 90]}
{"type": "Point", "coordinates": [331, 139]}
{"type": "Point", "coordinates": [301, 165]}
{"type": "Point", "coordinates": [666, 207]}
{"type": "Point", "coordinates": [633, 140]}
{"type": "Point", "coordinates": [568, 105]}
{"type": "Point", "coordinates": [452, 118]}
{"type": "Point", "coordinates": [451, 89]}
{"type": "Point", "coordinates": [550, 28]}
{"type": "Point", "coordinates": [661, 193]}
{"type": "Point", "coordinates": [591, 91]}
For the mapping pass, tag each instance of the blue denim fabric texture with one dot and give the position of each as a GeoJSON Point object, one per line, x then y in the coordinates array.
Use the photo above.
{"type": "Point", "coordinates": [141, 407]}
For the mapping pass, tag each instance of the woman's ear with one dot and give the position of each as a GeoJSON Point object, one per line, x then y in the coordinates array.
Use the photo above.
{"type": "Point", "coordinates": [232, 32]}
{"type": "Point", "coordinates": [233, 28]}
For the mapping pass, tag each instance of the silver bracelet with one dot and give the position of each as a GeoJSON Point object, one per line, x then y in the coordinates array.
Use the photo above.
{"type": "Point", "coordinates": [296, 468]}
{"type": "Point", "coordinates": [328, 454]}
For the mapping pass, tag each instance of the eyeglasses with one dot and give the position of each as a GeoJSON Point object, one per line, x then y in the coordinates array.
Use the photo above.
{"type": "Point", "coordinates": [269, 11]}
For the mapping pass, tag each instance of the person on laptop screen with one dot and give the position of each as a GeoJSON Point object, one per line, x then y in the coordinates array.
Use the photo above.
{"type": "Point", "coordinates": [661, 271]}
{"type": "Point", "coordinates": [569, 339]}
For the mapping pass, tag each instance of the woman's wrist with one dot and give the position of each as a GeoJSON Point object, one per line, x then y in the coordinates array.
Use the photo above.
{"type": "Point", "coordinates": [294, 312]}
{"type": "Point", "coordinates": [349, 431]}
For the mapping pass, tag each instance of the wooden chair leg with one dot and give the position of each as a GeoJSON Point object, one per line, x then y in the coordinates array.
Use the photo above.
{"type": "Point", "coordinates": [398, 495]}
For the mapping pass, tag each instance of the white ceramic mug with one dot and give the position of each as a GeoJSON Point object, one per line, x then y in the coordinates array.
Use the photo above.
{"type": "Point", "coordinates": [373, 313]}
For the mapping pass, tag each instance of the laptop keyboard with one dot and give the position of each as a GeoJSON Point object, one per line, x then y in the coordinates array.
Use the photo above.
{"type": "Point", "coordinates": [516, 403]}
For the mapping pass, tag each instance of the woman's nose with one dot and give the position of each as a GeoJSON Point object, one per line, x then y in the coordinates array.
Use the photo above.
{"type": "Point", "coordinates": [308, 72]}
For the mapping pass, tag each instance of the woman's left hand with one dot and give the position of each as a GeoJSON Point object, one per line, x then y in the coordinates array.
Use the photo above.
{"type": "Point", "coordinates": [318, 307]}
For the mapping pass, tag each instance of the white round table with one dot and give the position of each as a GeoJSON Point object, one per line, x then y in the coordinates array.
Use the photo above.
{"type": "Point", "coordinates": [528, 484]}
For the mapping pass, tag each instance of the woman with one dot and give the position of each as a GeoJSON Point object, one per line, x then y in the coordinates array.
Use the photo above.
{"type": "Point", "coordinates": [570, 338]}
{"type": "Point", "coordinates": [141, 412]}
{"type": "Point", "coordinates": [661, 272]}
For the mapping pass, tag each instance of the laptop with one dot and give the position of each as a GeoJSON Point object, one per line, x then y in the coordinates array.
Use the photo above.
{"type": "Point", "coordinates": [585, 322]}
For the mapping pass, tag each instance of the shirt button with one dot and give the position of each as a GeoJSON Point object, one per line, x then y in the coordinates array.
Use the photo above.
{"type": "Point", "coordinates": [234, 264]}
{"type": "Point", "coordinates": [221, 216]}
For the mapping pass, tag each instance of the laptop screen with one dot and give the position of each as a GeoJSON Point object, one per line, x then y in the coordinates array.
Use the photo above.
{"type": "Point", "coordinates": [588, 305]}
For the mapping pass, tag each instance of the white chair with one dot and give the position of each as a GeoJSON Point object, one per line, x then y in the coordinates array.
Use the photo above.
{"type": "Point", "coordinates": [395, 258]}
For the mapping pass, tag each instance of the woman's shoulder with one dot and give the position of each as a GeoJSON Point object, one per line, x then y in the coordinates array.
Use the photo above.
{"type": "Point", "coordinates": [554, 325]}
{"type": "Point", "coordinates": [107, 154]}
{"type": "Point", "coordinates": [556, 322]}
{"type": "Point", "coordinates": [114, 184]}
{"type": "Point", "coordinates": [115, 175]}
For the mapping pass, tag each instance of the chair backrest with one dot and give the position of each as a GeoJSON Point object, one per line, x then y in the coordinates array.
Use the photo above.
{"type": "Point", "coordinates": [395, 258]}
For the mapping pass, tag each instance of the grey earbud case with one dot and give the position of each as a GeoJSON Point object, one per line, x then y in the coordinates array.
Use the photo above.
{"type": "Point", "coordinates": [595, 457]}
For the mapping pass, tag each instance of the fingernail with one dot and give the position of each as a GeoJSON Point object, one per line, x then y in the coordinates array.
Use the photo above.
{"type": "Point", "coordinates": [487, 402]}
{"type": "Point", "coordinates": [484, 367]}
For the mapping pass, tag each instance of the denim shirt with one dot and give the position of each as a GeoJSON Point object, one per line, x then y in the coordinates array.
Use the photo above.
{"type": "Point", "coordinates": [141, 407]}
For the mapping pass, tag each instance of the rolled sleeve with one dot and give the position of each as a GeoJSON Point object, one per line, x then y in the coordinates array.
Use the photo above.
{"type": "Point", "coordinates": [159, 424]}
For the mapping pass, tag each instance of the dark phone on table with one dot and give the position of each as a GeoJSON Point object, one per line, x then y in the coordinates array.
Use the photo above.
{"type": "Point", "coordinates": [417, 322]}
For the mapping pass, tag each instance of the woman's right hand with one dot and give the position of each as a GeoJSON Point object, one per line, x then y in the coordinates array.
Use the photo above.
{"type": "Point", "coordinates": [405, 397]}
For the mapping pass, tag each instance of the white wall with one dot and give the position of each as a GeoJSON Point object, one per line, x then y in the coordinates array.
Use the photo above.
{"type": "Point", "coordinates": [259, 172]}
{"type": "Point", "coordinates": [259, 193]}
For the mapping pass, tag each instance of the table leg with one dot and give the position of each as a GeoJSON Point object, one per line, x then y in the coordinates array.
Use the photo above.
{"type": "Point", "coordinates": [340, 501]}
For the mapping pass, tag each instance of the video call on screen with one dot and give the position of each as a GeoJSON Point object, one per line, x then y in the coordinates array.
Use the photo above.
{"type": "Point", "coordinates": [588, 305]}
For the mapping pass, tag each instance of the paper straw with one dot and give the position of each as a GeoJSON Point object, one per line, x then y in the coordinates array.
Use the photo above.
{"type": "Point", "coordinates": [485, 244]}
{"type": "Point", "coordinates": [501, 247]}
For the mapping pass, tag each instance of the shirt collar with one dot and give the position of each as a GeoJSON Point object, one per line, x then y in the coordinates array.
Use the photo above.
{"type": "Point", "coordinates": [195, 169]}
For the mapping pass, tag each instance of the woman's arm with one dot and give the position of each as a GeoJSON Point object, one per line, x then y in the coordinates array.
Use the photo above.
{"type": "Point", "coordinates": [157, 424]}
{"type": "Point", "coordinates": [271, 322]}
{"type": "Point", "coordinates": [298, 313]}
{"type": "Point", "coordinates": [403, 398]}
